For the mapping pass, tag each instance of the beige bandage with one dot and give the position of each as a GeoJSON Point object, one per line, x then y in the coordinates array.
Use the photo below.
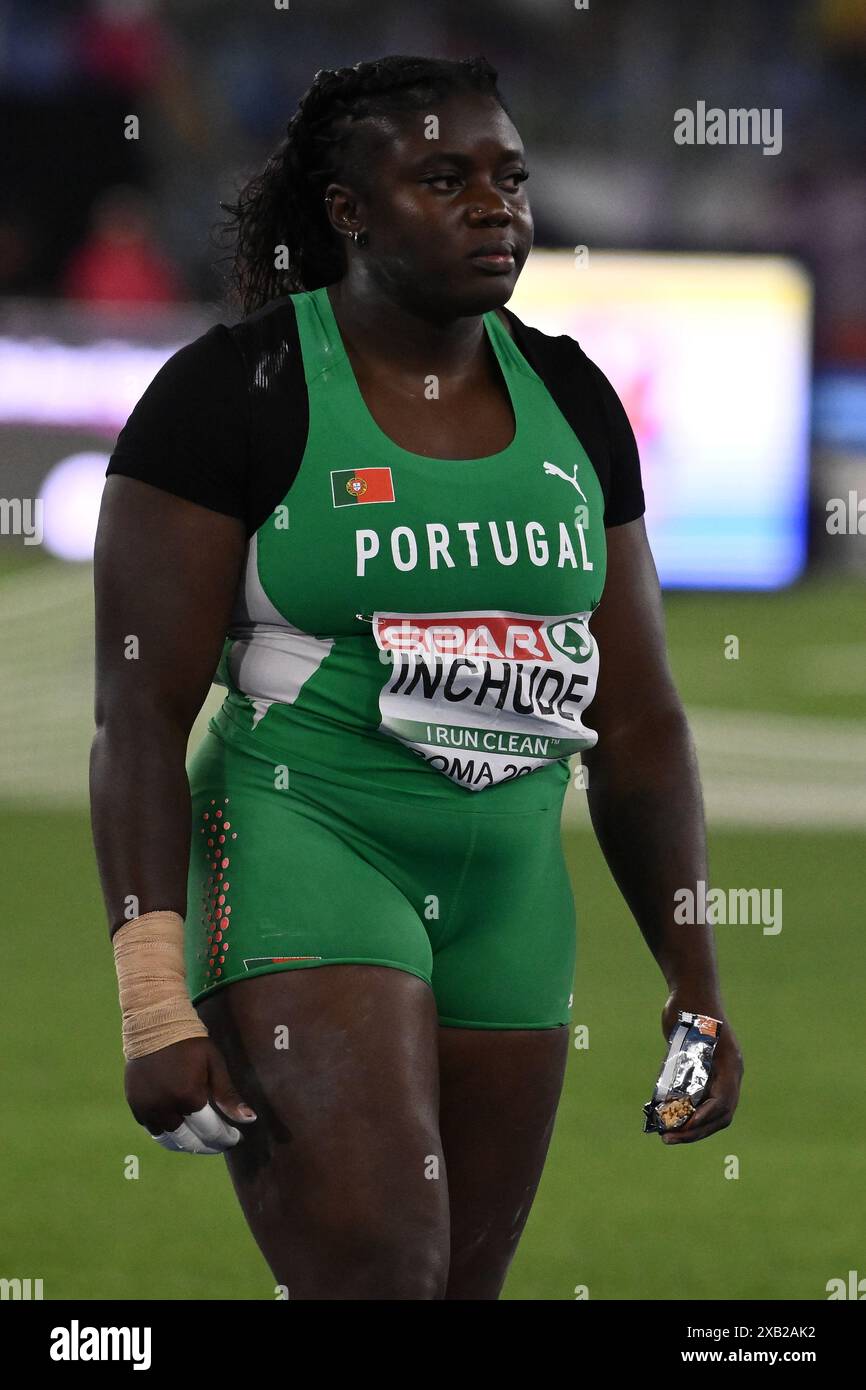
{"type": "Point", "coordinates": [151, 976]}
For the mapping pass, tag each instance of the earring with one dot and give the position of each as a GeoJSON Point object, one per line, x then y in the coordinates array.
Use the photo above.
{"type": "Point", "coordinates": [359, 238]}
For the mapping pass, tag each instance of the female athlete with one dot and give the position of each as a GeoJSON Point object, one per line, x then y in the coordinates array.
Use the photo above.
{"type": "Point", "coordinates": [381, 510]}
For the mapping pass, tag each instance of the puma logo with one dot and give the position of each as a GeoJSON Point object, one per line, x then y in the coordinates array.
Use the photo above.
{"type": "Point", "coordinates": [552, 469]}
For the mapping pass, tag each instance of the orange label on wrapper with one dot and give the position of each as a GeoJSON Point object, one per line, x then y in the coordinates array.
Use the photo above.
{"type": "Point", "coordinates": [706, 1025]}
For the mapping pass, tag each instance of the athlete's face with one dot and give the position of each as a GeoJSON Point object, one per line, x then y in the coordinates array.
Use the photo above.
{"type": "Point", "coordinates": [440, 193]}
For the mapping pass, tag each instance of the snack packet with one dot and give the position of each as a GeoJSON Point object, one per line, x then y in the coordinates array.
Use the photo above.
{"type": "Point", "coordinates": [685, 1073]}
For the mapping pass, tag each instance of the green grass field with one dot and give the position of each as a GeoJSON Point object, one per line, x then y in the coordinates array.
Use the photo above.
{"type": "Point", "coordinates": [617, 1211]}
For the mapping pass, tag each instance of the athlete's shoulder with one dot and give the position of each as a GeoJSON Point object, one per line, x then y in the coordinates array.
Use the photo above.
{"type": "Point", "coordinates": [200, 374]}
{"type": "Point", "coordinates": [561, 362]}
{"type": "Point", "coordinates": [188, 432]}
{"type": "Point", "coordinates": [592, 406]}
{"type": "Point", "coordinates": [558, 341]}
{"type": "Point", "coordinates": [557, 358]}
{"type": "Point", "coordinates": [273, 328]}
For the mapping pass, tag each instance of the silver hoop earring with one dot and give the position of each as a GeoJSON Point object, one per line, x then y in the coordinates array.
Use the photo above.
{"type": "Point", "coordinates": [359, 238]}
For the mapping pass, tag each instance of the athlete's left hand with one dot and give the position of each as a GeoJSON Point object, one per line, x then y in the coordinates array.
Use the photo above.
{"type": "Point", "coordinates": [716, 1110]}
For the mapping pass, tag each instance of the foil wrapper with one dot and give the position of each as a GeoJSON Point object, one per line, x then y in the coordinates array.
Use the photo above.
{"type": "Point", "coordinates": [685, 1075]}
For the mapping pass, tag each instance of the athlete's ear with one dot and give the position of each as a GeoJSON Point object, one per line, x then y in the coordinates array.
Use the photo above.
{"type": "Point", "coordinates": [344, 209]}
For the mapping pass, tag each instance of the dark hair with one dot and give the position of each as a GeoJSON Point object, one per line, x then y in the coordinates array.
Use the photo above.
{"type": "Point", "coordinates": [283, 206]}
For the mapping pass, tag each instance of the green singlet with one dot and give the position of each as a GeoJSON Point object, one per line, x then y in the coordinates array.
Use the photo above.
{"type": "Point", "coordinates": [407, 668]}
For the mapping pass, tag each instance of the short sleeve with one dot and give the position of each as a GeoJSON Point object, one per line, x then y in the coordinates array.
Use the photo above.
{"type": "Point", "coordinates": [625, 500]}
{"type": "Point", "coordinates": [189, 432]}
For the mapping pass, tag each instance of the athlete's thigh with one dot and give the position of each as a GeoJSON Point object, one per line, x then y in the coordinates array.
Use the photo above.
{"type": "Point", "coordinates": [280, 878]}
{"type": "Point", "coordinates": [311, 970]}
{"type": "Point", "coordinates": [340, 1065]}
{"type": "Point", "coordinates": [506, 957]}
{"type": "Point", "coordinates": [505, 971]}
{"type": "Point", "coordinates": [499, 1094]}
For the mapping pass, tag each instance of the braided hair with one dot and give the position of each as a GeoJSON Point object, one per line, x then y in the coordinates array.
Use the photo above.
{"type": "Point", "coordinates": [284, 206]}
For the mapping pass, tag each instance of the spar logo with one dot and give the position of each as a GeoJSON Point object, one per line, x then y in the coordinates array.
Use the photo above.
{"type": "Point", "coordinates": [487, 697]}
{"type": "Point", "coordinates": [573, 638]}
{"type": "Point", "coordinates": [485, 636]}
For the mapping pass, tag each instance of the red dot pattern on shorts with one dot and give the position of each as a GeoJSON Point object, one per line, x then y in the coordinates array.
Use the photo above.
{"type": "Point", "coordinates": [215, 905]}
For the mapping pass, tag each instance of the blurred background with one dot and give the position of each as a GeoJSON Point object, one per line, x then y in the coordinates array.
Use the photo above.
{"type": "Point", "coordinates": [723, 291]}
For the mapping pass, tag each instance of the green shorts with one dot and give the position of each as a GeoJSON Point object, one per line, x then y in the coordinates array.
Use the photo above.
{"type": "Point", "coordinates": [467, 890]}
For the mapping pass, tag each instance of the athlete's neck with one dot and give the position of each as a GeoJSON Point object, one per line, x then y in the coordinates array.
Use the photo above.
{"type": "Point", "coordinates": [381, 331]}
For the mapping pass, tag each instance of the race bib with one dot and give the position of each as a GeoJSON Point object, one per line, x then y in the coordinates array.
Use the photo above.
{"type": "Point", "coordinates": [487, 696]}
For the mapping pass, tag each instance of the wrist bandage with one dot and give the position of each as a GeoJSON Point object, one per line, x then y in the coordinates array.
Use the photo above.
{"type": "Point", "coordinates": [151, 976]}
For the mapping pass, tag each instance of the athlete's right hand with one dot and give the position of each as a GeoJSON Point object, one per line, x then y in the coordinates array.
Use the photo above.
{"type": "Point", "coordinates": [178, 1093]}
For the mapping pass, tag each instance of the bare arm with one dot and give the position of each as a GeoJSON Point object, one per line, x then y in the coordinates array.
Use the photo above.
{"type": "Point", "coordinates": [645, 799]}
{"type": "Point", "coordinates": [165, 576]}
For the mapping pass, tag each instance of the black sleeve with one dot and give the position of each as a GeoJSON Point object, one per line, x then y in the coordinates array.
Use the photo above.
{"type": "Point", "coordinates": [190, 431]}
{"type": "Point", "coordinates": [625, 500]}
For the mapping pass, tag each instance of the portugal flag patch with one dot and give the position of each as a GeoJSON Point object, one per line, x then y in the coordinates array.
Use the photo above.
{"type": "Point", "coordinates": [350, 485]}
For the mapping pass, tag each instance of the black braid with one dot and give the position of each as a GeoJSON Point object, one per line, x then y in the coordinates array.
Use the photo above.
{"type": "Point", "coordinates": [283, 206]}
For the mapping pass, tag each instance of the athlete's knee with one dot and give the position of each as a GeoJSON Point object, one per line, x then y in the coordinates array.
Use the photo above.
{"type": "Point", "coordinates": [404, 1265]}
{"type": "Point", "coordinates": [362, 1257]}
{"type": "Point", "coordinates": [397, 1252]}
{"type": "Point", "coordinates": [481, 1275]}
